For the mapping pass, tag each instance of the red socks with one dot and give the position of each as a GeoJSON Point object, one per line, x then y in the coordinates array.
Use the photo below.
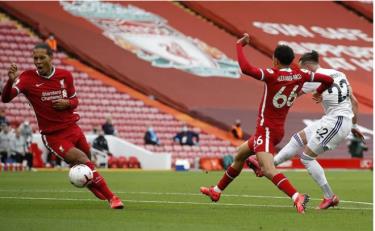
{"type": "Point", "coordinates": [229, 175]}
{"type": "Point", "coordinates": [283, 184]}
{"type": "Point", "coordinates": [99, 182]}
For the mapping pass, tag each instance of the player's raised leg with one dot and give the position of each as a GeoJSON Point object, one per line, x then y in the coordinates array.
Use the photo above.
{"type": "Point", "coordinates": [83, 145]}
{"type": "Point", "coordinates": [292, 148]}
{"type": "Point", "coordinates": [243, 152]}
{"type": "Point", "coordinates": [75, 156]}
{"type": "Point", "coordinates": [269, 170]}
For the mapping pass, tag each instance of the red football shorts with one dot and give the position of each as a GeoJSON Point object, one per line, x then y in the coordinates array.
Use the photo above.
{"type": "Point", "coordinates": [60, 142]}
{"type": "Point", "coordinates": [265, 139]}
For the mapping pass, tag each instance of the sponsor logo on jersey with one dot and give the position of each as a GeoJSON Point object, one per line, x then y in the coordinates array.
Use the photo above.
{"type": "Point", "coordinates": [53, 95]}
{"type": "Point", "coordinates": [151, 38]}
{"type": "Point", "coordinates": [39, 84]}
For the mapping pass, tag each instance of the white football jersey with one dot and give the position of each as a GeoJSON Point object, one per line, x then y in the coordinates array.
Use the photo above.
{"type": "Point", "coordinates": [336, 99]}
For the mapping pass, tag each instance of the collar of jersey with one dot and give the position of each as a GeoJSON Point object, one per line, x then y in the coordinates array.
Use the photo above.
{"type": "Point", "coordinates": [286, 69]}
{"type": "Point", "coordinates": [47, 77]}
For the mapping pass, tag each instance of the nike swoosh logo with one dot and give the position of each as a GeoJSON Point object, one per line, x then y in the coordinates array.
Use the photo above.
{"type": "Point", "coordinates": [39, 84]}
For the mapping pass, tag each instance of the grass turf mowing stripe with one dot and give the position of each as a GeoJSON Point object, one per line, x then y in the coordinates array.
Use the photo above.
{"type": "Point", "coordinates": [172, 202]}
{"type": "Point", "coordinates": [176, 194]}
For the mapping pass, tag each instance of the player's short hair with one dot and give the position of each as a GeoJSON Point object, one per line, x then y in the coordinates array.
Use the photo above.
{"type": "Point", "coordinates": [44, 46]}
{"type": "Point", "coordinates": [312, 56]}
{"type": "Point", "coordinates": [284, 54]}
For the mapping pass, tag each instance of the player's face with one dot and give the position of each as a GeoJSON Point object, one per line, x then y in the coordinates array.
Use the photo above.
{"type": "Point", "coordinates": [305, 66]}
{"type": "Point", "coordinates": [275, 61]}
{"type": "Point", "coordinates": [42, 61]}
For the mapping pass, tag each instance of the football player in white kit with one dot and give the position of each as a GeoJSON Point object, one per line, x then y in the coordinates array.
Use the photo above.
{"type": "Point", "coordinates": [340, 118]}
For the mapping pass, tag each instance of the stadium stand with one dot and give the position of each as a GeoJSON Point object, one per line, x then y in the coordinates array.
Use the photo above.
{"type": "Point", "coordinates": [98, 100]}
{"type": "Point", "coordinates": [362, 8]}
{"type": "Point", "coordinates": [202, 98]}
{"type": "Point", "coordinates": [303, 30]}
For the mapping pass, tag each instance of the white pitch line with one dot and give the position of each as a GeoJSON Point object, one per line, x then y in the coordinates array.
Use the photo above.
{"type": "Point", "coordinates": [173, 202]}
{"type": "Point", "coordinates": [177, 194]}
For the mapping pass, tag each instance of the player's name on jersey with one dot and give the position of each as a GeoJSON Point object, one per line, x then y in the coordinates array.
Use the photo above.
{"type": "Point", "coordinates": [289, 77]}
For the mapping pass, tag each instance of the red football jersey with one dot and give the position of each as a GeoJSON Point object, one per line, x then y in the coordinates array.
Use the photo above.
{"type": "Point", "coordinates": [280, 90]}
{"type": "Point", "coordinates": [42, 91]}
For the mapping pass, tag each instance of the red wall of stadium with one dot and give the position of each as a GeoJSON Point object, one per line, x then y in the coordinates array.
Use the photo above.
{"type": "Point", "coordinates": [238, 18]}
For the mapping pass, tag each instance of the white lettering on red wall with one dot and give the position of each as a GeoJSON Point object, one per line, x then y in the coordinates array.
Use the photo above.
{"type": "Point", "coordinates": [336, 55]}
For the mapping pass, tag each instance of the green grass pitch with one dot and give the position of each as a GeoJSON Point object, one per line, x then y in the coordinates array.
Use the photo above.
{"type": "Point", "coordinates": [171, 201]}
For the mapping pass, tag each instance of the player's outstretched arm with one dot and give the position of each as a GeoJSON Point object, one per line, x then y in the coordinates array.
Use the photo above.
{"type": "Point", "coordinates": [325, 80]}
{"type": "Point", "coordinates": [9, 92]}
{"type": "Point", "coordinates": [245, 66]}
{"type": "Point", "coordinates": [354, 101]}
{"type": "Point", "coordinates": [356, 132]}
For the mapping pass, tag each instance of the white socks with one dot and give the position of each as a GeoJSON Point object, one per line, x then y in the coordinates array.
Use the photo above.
{"type": "Point", "coordinates": [216, 189]}
{"type": "Point", "coordinates": [295, 195]}
{"type": "Point", "coordinates": [289, 150]}
{"type": "Point", "coordinates": [317, 173]}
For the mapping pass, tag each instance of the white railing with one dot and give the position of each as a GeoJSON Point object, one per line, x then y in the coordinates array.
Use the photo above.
{"type": "Point", "coordinates": [120, 147]}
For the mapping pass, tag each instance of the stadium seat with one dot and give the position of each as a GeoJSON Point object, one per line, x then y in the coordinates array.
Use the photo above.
{"type": "Point", "coordinates": [97, 100]}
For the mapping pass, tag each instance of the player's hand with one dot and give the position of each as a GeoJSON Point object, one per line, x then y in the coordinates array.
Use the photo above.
{"type": "Point", "coordinates": [300, 93]}
{"type": "Point", "coordinates": [13, 72]}
{"type": "Point", "coordinates": [317, 97]}
{"type": "Point", "coordinates": [244, 40]}
{"type": "Point", "coordinates": [61, 104]}
{"type": "Point", "coordinates": [357, 133]}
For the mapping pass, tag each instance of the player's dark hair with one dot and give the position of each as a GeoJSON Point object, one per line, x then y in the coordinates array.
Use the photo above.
{"type": "Point", "coordinates": [312, 56]}
{"type": "Point", "coordinates": [284, 54]}
{"type": "Point", "coordinates": [44, 46]}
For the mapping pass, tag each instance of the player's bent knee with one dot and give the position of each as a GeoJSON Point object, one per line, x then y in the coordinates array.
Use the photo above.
{"type": "Point", "coordinates": [75, 156]}
{"type": "Point", "coordinates": [243, 152]}
{"type": "Point", "coordinates": [240, 158]}
{"type": "Point", "coordinates": [302, 136]}
{"type": "Point", "coordinates": [306, 159]}
{"type": "Point", "coordinates": [269, 172]}
{"type": "Point", "coordinates": [309, 152]}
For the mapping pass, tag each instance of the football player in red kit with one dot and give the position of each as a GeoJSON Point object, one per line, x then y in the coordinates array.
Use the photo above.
{"type": "Point", "coordinates": [52, 94]}
{"type": "Point", "coordinates": [282, 83]}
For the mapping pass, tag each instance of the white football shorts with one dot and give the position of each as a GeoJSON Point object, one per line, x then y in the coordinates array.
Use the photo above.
{"type": "Point", "coordinates": [327, 133]}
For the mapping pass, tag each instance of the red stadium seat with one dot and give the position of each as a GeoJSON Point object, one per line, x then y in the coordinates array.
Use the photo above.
{"type": "Point", "coordinates": [97, 100]}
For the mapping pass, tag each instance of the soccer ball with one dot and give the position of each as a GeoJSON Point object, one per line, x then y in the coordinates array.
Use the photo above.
{"type": "Point", "coordinates": [80, 175]}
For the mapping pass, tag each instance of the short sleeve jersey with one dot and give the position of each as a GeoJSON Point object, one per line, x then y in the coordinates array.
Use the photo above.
{"type": "Point", "coordinates": [336, 99]}
{"type": "Point", "coordinates": [42, 91]}
{"type": "Point", "coordinates": [280, 90]}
